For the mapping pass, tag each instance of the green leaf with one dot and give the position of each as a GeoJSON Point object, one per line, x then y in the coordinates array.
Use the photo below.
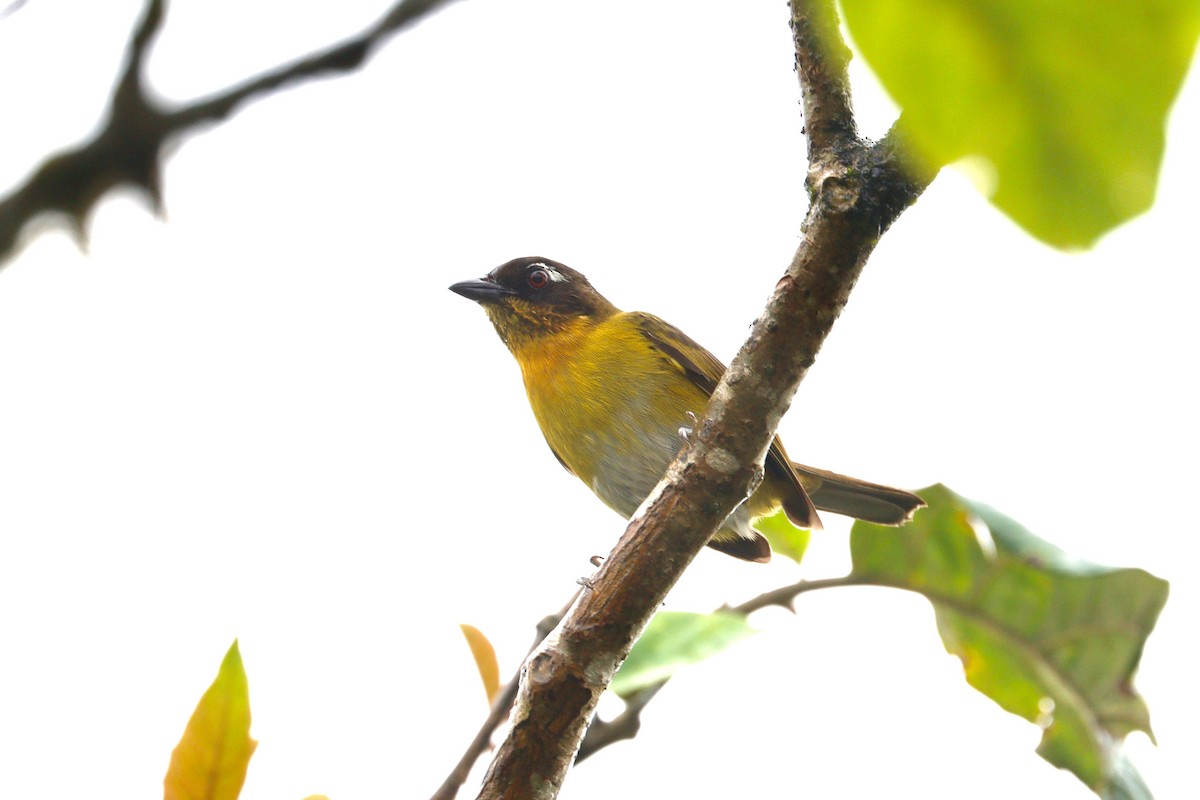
{"type": "Point", "coordinates": [674, 639]}
{"type": "Point", "coordinates": [1062, 103]}
{"type": "Point", "coordinates": [1053, 640]}
{"type": "Point", "coordinates": [785, 538]}
{"type": "Point", "coordinates": [210, 761]}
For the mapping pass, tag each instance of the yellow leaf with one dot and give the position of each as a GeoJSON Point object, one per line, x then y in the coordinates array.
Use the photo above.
{"type": "Point", "coordinates": [485, 660]}
{"type": "Point", "coordinates": [210, 761]}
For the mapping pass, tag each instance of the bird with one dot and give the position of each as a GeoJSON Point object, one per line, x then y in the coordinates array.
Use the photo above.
{"type": "Point", "coordinates": [615, 394]}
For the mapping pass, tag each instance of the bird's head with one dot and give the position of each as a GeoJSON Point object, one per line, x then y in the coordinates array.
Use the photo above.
{"type": "Point", "coordinates": [531, 298]}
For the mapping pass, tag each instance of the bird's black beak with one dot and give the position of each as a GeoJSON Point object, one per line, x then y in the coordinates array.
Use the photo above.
{"type": "Point", "coordinates": [481, 291]}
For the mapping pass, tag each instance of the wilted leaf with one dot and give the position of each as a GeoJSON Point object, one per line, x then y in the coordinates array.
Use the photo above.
{"type": "Point", "coordinates": [210, 761]}
{"type": "Point", "coordinates": [485, 660]}
{"type": "Point", "coordinates": [674, 639]}
{"type": "Point", "coordinates": [1062, 103]}
{"type": "Point", "coordinates": [785, 538]}
{"type": "Point", "coordinates": [1052, 640]}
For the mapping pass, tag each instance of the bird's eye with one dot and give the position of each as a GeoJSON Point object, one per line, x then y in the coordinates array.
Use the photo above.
{"type": "Point", "coordinates": [538, 278]}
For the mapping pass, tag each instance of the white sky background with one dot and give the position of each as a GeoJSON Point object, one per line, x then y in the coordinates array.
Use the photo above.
{"type": "Point", "coordinates": [266, 418]}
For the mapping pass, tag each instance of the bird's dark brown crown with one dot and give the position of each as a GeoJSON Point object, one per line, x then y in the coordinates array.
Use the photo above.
{"type": "Point", "coordinates": [551, 285]}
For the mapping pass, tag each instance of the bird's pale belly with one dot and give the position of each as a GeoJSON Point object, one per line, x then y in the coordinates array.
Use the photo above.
{"type": "Point", "coordinates": [621, 448]}
{"type": "Point", "coordinates": [622, 474]}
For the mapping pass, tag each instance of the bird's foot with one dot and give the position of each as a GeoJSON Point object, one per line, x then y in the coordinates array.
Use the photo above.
{"type": "Point", "coordinates": [685, 431]}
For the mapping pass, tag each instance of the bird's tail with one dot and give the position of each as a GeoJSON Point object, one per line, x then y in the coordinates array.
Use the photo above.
{"type": "Point", "coordinates": [870, 502]}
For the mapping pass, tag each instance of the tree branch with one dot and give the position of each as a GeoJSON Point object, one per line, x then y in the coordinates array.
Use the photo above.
{"type": "Point", "coordinates": [822, 58]}
{"type": "Point", "coordinates": [127, 150]}
{"type": "Point", "coordinates": [856, 191]}
{"type": "Point", "coordinates": [601, 733]}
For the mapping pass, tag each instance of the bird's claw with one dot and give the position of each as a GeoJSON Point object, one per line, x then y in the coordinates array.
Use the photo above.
{"type": "Point", "coordinates": [685, 431]}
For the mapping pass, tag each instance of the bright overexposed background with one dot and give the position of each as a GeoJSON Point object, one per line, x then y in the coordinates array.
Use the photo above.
{"type": "Point", "coordinates": [264, 417]}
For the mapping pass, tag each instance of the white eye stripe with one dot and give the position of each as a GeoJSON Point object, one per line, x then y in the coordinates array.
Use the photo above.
{"type": "Point", "coordinates": [553, 274]}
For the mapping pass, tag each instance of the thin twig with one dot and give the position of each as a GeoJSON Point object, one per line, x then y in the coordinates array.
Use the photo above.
{"type": "Point", "coordinates": [626, 724]}
{"type": "Point", "coordinates": [601, 733]}
{"type": "Point", "coordinates": [128, 149]}
{"type": "Point", "coordinates": [482, 741]}
{"type": "Point", "coordinates": [499, 712]}
{"type": "Point", "coordinates": [785, 596]}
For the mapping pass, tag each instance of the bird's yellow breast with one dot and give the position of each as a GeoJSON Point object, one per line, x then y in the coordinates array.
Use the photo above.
{"type": "Point", "coordinates": [610, 405]}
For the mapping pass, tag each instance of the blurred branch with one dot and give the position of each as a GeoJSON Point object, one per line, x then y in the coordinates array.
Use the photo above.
{"type": "Point", "coordinates": [499, 712]}
{"type": "Point", "coordinates": [483, 739]}
{"type": "Point", "coordinates": [856, 190]}
{"type": "Point", "coordinates": [12, 8]}
{"type": "Point", "coordinates": [128, 149]}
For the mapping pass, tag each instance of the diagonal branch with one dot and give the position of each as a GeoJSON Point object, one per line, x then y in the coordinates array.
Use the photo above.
{"type": "Point", "coordinates": [856, 191]}
{"type": "Point", "coordinates": [496, 716]}
{"type": "Point", "coordinates": [344, 57]}
{"type": "Point", "coordinates": [128, 149]}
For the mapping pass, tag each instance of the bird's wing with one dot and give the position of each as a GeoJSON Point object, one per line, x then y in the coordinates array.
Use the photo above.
{"type": "Point", "coordinates": [701, 367]}
{"type": "Point", "coordinates": [704, 370]}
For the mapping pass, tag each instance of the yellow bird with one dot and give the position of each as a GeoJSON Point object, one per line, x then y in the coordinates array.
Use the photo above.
{"type": "Point", "coordinates": [615, 393]}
